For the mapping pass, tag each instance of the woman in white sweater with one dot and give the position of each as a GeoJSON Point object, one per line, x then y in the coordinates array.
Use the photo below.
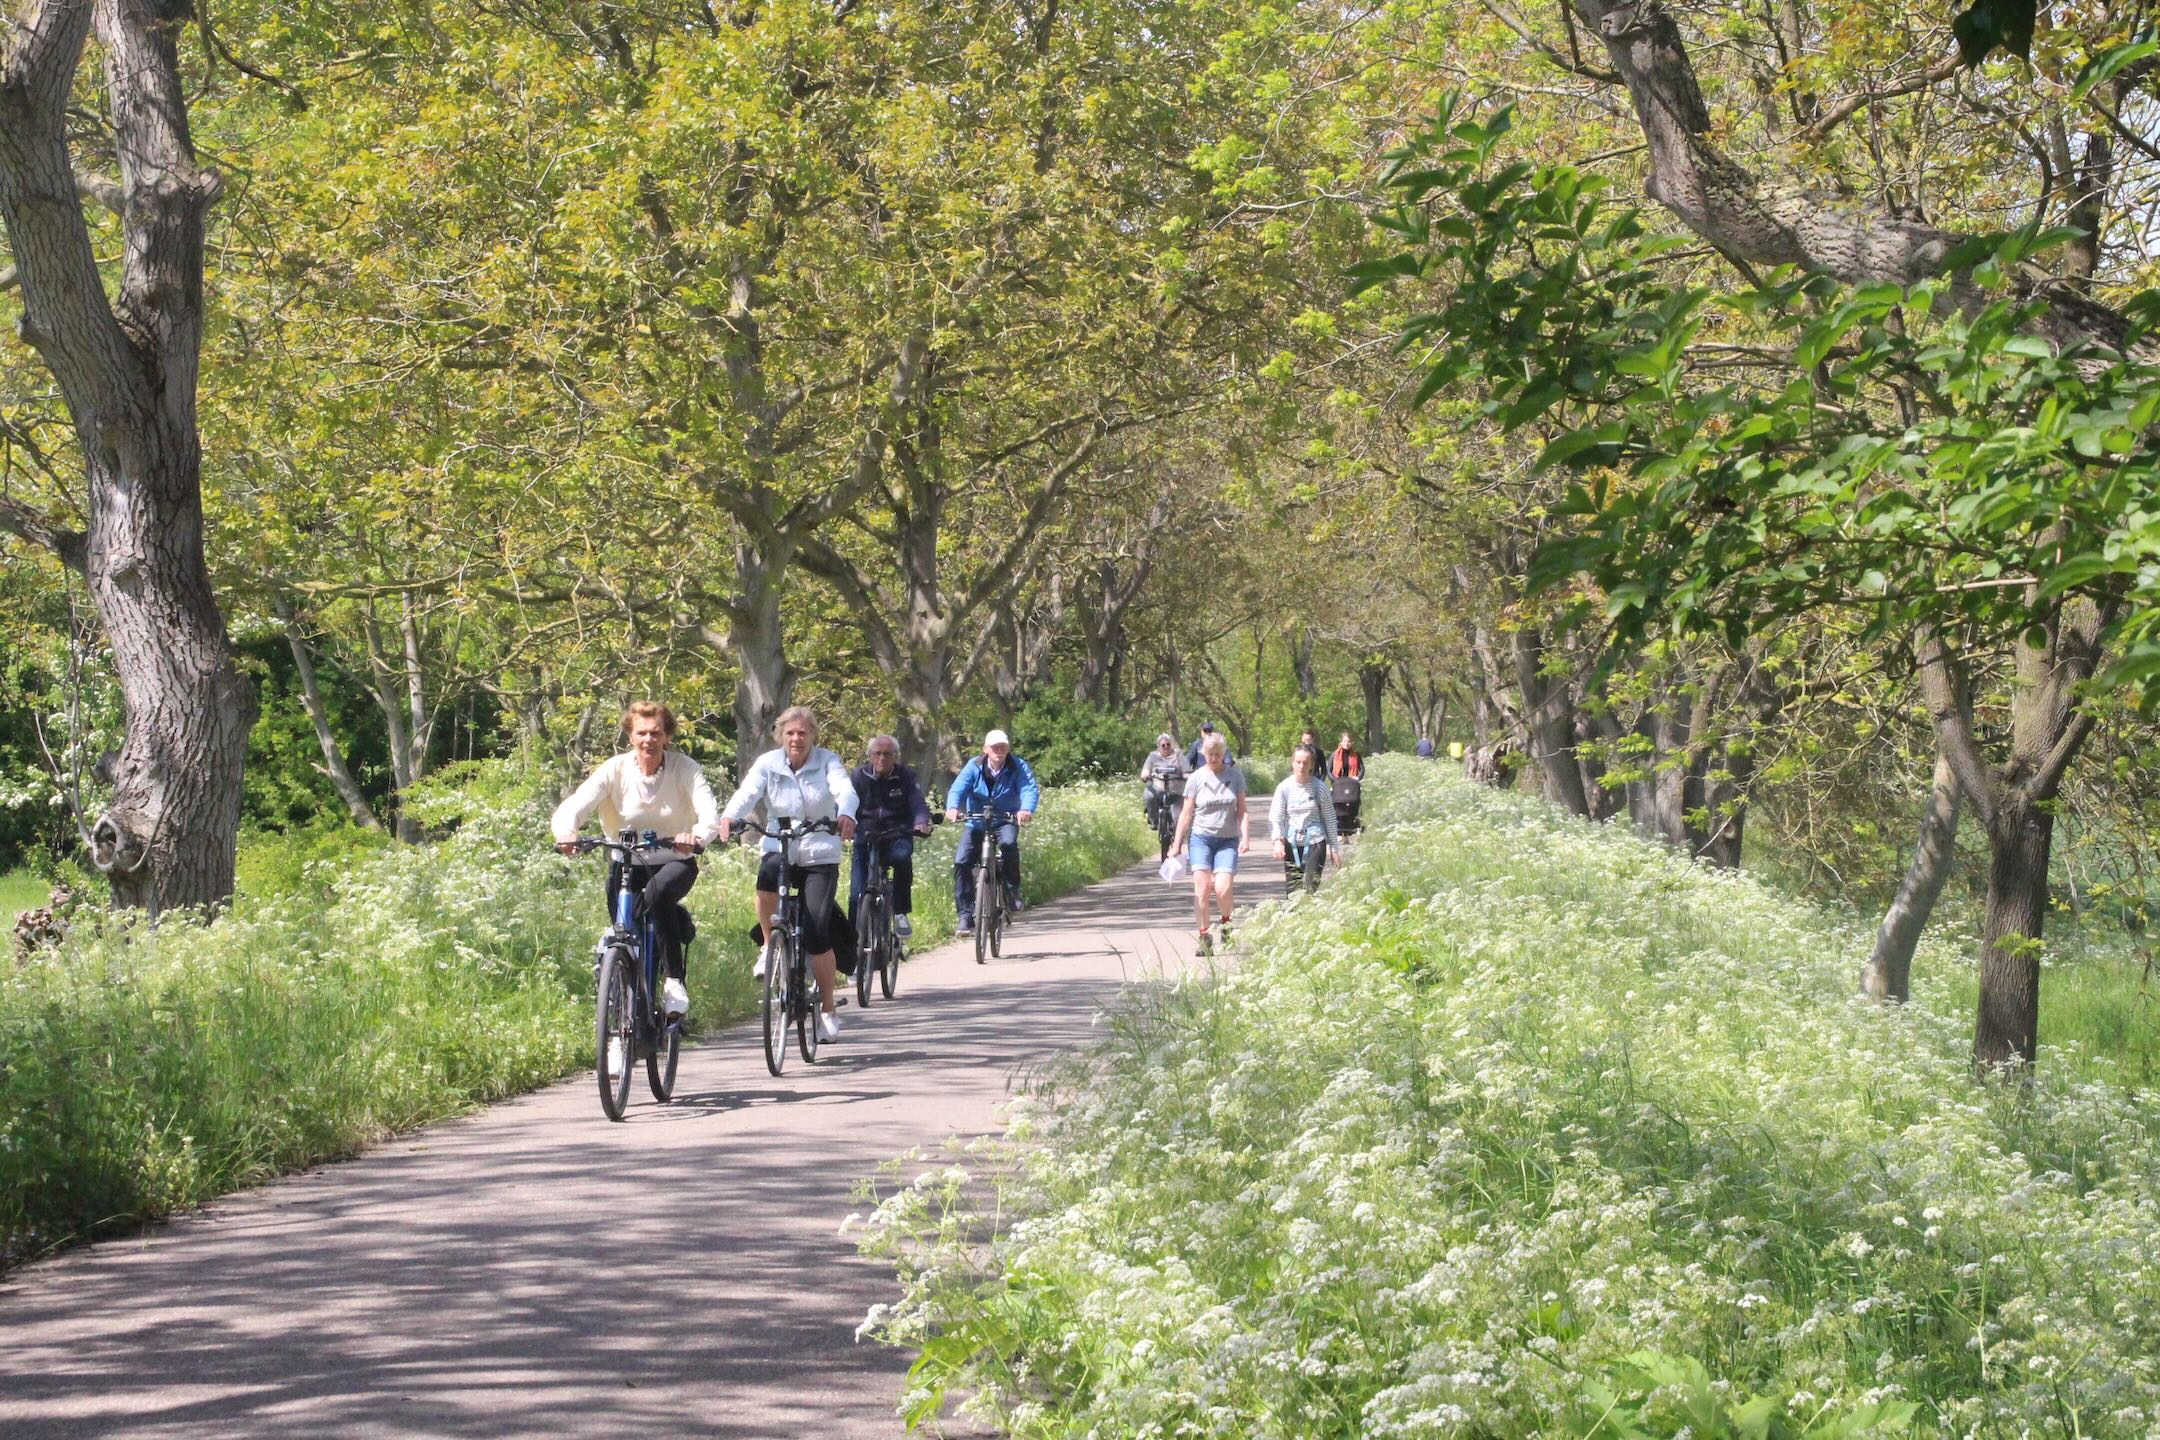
{"type": "Point", "coordinates": [1304, 807]}
{"type": "Point", "coordinates": [650, 787]}
{"type": "Point", "coordinates": [803, 781]}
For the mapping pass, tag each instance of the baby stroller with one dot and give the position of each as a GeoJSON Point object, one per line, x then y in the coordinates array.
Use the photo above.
{"type": "Point", "coordinates": [1348, 791]}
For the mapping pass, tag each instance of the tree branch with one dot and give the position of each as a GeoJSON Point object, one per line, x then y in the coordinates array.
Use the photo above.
{"type": "Point", "coordinates": [69, 546]}
{"type": "Point", "coordinates": [1843, 110]}
{"type": "Point", "coordinates": [1945, 695]}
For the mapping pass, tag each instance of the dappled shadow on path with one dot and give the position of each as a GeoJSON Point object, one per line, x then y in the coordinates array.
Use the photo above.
{"type": "Point", "coordinates": [537, 1270]}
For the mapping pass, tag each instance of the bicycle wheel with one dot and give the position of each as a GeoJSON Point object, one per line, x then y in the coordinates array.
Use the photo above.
{"type": "Point", "coordinates": [807, 1005]}
{"type": "Point", "coordinates": [986, 899]}
{"type": "Point", "coordinates": [867, 944]}
{"type": "Point", "coordinates": [889, 972]}
{"type": "Point", "coordinates": [779, 974]}
{"type": "Point", "coordinates": [997, 925]}
{"type": "Point", "coordinates": [614, 1019]}
{"type": "Point", "coordinates": [662, 1057]}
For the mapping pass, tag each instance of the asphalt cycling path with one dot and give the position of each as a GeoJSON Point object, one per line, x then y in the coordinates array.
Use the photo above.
{"type": "Point", "coordinates": [535, 1270]}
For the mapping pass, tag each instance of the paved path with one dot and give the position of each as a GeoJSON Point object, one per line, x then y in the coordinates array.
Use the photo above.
{"type": "Point", "coordinates": [474, 1278]}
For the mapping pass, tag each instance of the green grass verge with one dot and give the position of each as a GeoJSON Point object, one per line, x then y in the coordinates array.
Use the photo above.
{"type": "Point", "coordinates": [21, 890]}
{"type": "Point", "coordinates": [356, 989]}
{"type": "Point", "coordinates": [1524, 1127]}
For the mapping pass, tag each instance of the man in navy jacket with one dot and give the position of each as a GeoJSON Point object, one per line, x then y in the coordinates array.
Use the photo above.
{"type": "Point", "coordinates": [996, 780]}
{"type": "Point", "coordinates": [890, 811]}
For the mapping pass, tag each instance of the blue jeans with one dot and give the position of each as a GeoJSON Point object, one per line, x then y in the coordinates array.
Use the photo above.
{"type": "Point", "coordinates": [897, 853]}
{"type": "Point", "coordinates": [963, 879]}
{"type": "Point", "coordinates": [1213, 852]}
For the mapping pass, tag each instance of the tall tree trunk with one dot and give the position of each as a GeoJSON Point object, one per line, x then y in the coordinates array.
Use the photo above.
{"type": "Point", "coordinates": [2006, 1031]}
{"type": "Point", "coordinates": [1301, 661]}
{"type": "Point", "coordinates": [1372, 680]}
{"type": "Point", "coordinates": [334, 766]}
{"type": "Point", "coordinates": [764, 679]}
{"type": "Point", "coordinates": [2015, 801]}
{"type": "Point", "coordinates": [1549, 720]}
{"type": "Point", "coordinates": [127, 369]}
{"type": "Point", "coordinates": [1888, 972]}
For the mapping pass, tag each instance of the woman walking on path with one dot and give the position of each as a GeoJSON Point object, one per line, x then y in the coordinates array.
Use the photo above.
{"type": "Point", "coordinates": [800, 781]}
{"type": "Point", "coordinates": [1303, 807]}
{"type": "Point", "coordinates": [1214, 817]}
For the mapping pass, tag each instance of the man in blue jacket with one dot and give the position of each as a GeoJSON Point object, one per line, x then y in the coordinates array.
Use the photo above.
{"type": "Point", "coordinates": [996, 780]}
{"type": "Point", "coordinates": [890, 812]}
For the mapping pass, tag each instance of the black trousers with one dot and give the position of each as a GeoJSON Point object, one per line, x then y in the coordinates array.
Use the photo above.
{"type": "Point", "coordinates": [820, 883]}
{"type": "Point", "coordinates": [660, 889]}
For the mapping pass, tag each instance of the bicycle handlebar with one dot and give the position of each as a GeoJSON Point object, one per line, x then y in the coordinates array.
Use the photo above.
{"type": "Point", "coordinates": [874, 837]}
{"type": "Point", "coordinates": [787, 827]}
{"type": "Point", "coordinates": [631, 842]}
{"type": "Point", "coordinates": [971, 815]}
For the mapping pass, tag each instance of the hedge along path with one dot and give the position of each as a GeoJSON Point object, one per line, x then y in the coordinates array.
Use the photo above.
{"type": "Point", "coordinates": [534, 1269]}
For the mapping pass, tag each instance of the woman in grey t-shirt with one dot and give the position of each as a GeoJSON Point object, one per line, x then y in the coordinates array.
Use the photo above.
{"type": "Point", "coordinates": [1214, 818]}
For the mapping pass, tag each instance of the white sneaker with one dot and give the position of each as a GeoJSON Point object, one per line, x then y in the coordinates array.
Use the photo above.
{"type": "Point", "coordinates": [757, 971]}
{"type": "Point", "coordinates": [828, 1025]}
{"type": "Point", "coordinates": [901, 927]}
{"type": "Point", "coordinates": [674, 999]}
{"type": "Point", "coordinates": [614, 1057]}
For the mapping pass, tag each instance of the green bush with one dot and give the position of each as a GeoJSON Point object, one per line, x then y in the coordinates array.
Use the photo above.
{"type": "Point", "coordinates": [1065, 741]}
{"type": "Point", "coordinates": [1527, 1127]}
{"type": "Point", "coordinates": [357, 988]}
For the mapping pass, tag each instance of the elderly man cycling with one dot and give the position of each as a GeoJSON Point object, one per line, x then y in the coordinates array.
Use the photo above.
{"type": "Point", "coordinates": [995, 781]}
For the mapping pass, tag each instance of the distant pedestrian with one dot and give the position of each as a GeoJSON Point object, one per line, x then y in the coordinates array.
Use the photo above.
{"type": "Point", "coordinates": [1424, 747]}
{"type": "Point", "coordinates": [1214, 820]}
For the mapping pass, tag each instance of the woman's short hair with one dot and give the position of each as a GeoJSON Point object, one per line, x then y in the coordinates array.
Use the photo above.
{"type": "Point", "coordinates": [1214, 744]}
{"type": "Point", "coordinates": [790, 716]}
{"type": "Point", "coordinates": [648, 710]}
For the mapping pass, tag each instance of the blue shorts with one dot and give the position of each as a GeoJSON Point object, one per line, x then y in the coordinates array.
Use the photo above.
{"type": "Point", "coordinates": [1214, 852]}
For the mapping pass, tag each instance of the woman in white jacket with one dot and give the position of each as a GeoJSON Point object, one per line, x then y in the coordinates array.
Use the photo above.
{"type": "Point", "coordinates": [1304, 807]}
{"type": "Point", "coordinates": [803, 781]}
{"type": "Point", "coordinates": [649, 787]}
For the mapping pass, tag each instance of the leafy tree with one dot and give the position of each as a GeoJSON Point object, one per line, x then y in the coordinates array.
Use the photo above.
{"type": "Point", "coordinates": [126, 367]}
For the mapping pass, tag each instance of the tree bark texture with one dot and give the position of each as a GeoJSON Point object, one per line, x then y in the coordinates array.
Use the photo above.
{"type": "Point", "coordinates": [1372, 680]}
{"type": "Point", "coordinates": [2014, 799]}
{"type": "Point", "coordinates": [1548, 715]}
{"type": "Point", "coordinates": [127, 370]}
{"type": "Point", "coordinates": [1888, 972]}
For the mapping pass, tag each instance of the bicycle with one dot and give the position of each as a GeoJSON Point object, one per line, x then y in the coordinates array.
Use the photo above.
{"type": "Point", "coordinates": [990, 912]}
{"type": "Point", "coordinates": [1167, 805]}
{"type": "Point", "coordinates": [627, 1002]}
{"type": "Point", "coordinates": [880, 950]}
{"type": "Point", "coordinates": [790, 994]}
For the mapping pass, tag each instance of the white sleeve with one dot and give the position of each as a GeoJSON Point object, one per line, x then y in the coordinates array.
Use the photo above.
{"type": "Point", "coordinates": [745, 800]}
{"type": "Point", "coordinates": [578, 806]}
{"type": "Point", "coordinates": [1278, 814]}
{"type": "Point", "coordinates": [707, 828]}
{"type": "Point", "coordinates": [843, 789]}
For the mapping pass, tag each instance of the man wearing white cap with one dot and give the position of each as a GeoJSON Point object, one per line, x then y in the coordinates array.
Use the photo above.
{"type": "Point", "coordinates": [998, 782]}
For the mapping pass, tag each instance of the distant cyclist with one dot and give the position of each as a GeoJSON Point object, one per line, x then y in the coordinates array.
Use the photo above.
{"type": "Point", "coordinates": [998, 780]}
{"type": "Point", "coordinates": [800, 781]}
{"type": "Point", "coordinates": [649, 787]}
{"type": "Point", "coordinates": [1162, 776]}
{"type": "Point", "coordinates": [1195, 753]}
{"type": "Point", "coordinates": [889, 804]}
